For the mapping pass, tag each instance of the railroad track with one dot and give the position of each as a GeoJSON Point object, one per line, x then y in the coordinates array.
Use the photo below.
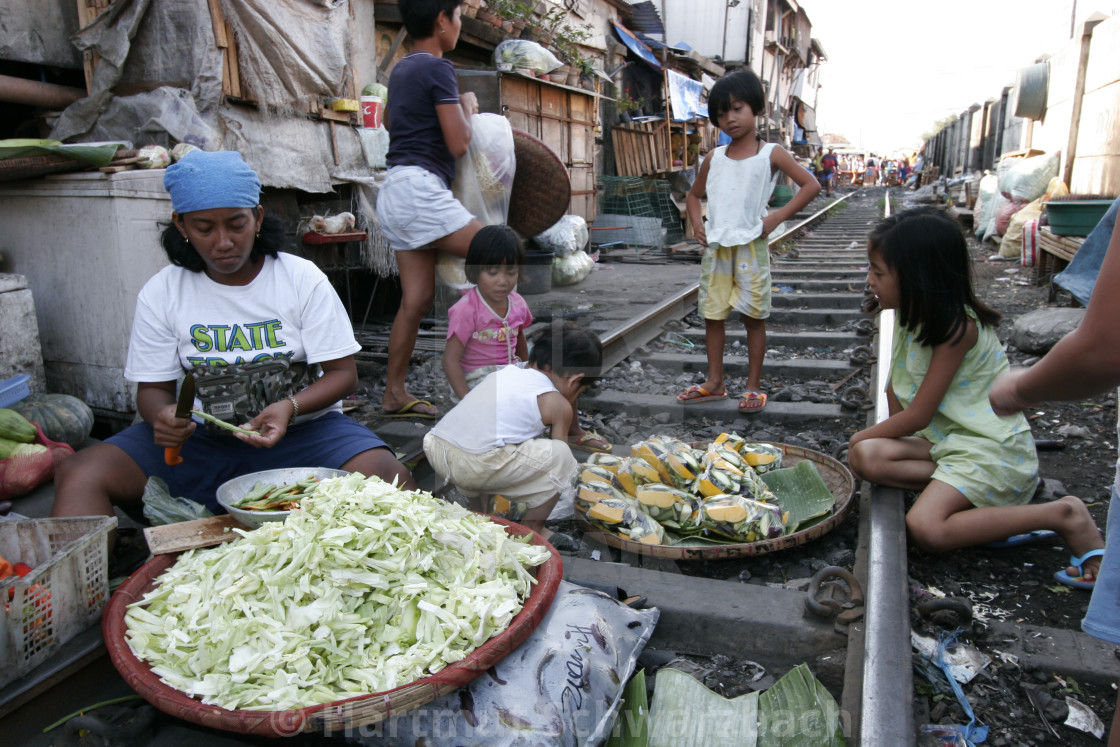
{"type": "Point", "coordinates": [820, 374]}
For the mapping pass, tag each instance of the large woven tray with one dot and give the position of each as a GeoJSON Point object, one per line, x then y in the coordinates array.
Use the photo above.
{"type": "Point", "coordinates": [836, 476]}
{"type": "Point", "coordinates": [337, 716]}
{"type": "Point", "coordinates": [541, 188]}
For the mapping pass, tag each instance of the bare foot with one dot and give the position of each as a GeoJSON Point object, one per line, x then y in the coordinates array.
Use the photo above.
{"type": "Point", "coordinates": [1080, 532]}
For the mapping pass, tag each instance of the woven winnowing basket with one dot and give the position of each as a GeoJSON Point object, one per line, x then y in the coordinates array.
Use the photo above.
{"type": "Point", "coordinates": [62, 596]}
{"type": "Point", "coordinates": [541, 188]}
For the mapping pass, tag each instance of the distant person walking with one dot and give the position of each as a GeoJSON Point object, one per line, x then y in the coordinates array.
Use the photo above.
{"type": "Point", "coordinates": [828, 170]}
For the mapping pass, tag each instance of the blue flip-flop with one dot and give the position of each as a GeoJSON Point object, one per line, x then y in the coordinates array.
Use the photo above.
{"type": "Point", "coordinates": [1027, 538]}
{"type": "Point", "coordinates": [1078, 581]}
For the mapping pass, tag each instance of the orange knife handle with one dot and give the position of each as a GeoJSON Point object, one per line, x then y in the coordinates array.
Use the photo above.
{"type": "Point", "coordinates": [171, 456]}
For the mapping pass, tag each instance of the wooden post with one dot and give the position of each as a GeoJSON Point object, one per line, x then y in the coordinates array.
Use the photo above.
{"type": "Point", "coordinates": [1078, 95]}
{"type": "Point", "coordinates": [668, 121]}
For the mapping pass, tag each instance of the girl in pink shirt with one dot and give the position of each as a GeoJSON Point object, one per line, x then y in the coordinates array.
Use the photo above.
{"type": "Point", "coordinates": [486, 327]}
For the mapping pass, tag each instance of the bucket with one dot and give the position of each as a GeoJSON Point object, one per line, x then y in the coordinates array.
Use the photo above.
{"type": "Point", "coordinates": [371, 111]}
{"type": "Point", "coordinates": [783, 193]}
{"type": "Point", "coordinates": [536, 273]}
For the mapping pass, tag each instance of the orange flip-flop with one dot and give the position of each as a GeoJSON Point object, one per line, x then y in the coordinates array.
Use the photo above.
{"type": "Point", "coordinates": [752, 401]}
{"type": "Point", "coordinates": [702, 395]}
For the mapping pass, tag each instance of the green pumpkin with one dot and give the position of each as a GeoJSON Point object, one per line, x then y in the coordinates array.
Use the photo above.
{"type": "Point", "coordinates": [62, 417]}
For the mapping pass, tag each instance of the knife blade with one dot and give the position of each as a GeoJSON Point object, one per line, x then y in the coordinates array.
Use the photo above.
{"type": "Point", "coordinates": [183, 407]}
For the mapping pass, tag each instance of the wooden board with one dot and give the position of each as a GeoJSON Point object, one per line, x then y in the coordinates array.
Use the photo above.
{"type": "Point", "coordinates": [213, 530]}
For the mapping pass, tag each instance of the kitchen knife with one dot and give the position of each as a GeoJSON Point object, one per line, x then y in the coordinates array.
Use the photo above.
{"type": "Point", "coordinates": [183, 408]}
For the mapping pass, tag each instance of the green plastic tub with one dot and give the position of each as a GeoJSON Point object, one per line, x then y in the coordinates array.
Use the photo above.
{"type": "Point", "coordinates": [1075, 217]}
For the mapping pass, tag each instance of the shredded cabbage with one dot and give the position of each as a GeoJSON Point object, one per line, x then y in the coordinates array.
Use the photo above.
{"type": "Point", "coordinates": [364, 588]}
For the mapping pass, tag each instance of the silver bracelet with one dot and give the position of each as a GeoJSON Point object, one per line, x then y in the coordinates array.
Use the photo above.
{"type": "Point", "coordinates": [295, 410]}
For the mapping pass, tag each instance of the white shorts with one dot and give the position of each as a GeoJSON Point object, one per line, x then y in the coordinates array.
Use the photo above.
{"type": "Point", "coordinates": [528, 473]}
{"type": "Point", "coordinates": [415, 208]}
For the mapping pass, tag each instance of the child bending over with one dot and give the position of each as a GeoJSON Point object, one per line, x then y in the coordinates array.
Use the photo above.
{"type": "Point", "coordinates": [976, 471]}
{"type": "Point", "coordinates": [486, 327]}
{"type": "Point", "coordinates": [735, 272]}
{"type": "Point", "coordinates": [490, 445]}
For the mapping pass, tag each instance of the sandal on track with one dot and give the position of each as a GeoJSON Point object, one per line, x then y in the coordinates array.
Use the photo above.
{"type": "Point", "coordinates": [752, 401]}
{"type": "Point", "coordinates": [697, 393]}
{"type": "Point", "coordinates": [593, 442]}
{"type": "Point", "coordinates": [1078, 581]}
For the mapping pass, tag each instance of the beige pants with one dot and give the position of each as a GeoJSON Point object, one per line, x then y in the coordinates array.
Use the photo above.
{"type": "Point", "coordinates": [527, 474]}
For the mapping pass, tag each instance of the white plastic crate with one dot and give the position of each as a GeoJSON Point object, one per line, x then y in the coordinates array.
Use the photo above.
{"type": "Point", "coordinates": [62, 595]}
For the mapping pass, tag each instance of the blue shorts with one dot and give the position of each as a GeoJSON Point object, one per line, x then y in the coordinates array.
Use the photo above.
{"type": "Point", "coordinates": [209, 460]}
{"type": "Point", "coordinates": [1102, 620]}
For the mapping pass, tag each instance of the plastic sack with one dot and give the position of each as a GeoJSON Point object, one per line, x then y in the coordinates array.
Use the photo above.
{"type": "Point", "coordinates": [572, 269]}
{"type": "Point", "coordinates": [483, 184]}
{"type": "Point", "coordinates": [566, 237]}
{"type": "Point", "coordinates": [1012, 243]}
{"type": "Point", "coordinates": [1027, 180]}
{"type": "Point", "coordinates": [160, 507]}
{"type": "Point", "coordinates": [513, 54]}
{"type": "Point", "coordinates": [562, 686]}
{"type": "Point", "coordinates": [22, 473]}
{"type": "Point", "coordinates": [1004, 211]}
{"type": "Point", "coordinates": [989, 188]}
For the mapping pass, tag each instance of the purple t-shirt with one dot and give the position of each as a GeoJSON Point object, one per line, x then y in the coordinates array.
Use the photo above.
{"type": "Point", "coordinates": [419, 82]}
{"type": "Point", "coordinates": [488, 340]}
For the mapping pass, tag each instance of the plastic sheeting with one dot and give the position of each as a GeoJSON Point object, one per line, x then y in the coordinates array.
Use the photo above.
{"type": "Point", "coordinates": [291, 54]}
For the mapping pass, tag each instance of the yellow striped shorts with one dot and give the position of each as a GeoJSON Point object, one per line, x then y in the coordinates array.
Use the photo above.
{"type": "Point", "coordinates": [735, 278]}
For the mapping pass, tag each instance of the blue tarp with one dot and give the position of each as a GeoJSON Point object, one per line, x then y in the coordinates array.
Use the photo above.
{"type": "Point", "coordinates": [635, 45]}
{"type": "Point", "coordinates": [1081, 275]}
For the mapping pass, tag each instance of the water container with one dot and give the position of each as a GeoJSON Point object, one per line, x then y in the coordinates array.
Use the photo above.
{"type": "Point", "coordinates": [783, 193]}
{"type": "Point", "coordinates": [536, 273]}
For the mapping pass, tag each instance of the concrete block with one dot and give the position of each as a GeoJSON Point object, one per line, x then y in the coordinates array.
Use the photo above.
{"type": "Point", "coordinates": [20, 350]}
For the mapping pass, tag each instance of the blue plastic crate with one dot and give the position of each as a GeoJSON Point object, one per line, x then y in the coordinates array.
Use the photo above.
{"type": "Point", "coordinates": [13, 390]}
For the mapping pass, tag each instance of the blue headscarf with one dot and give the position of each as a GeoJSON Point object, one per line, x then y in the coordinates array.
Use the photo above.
{"type": "Point", "coordinates": [204, 180]}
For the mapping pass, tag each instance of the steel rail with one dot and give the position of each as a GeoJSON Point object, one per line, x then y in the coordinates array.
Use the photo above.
{"type": "Point", "coordinates": [621, 341]}
{"type": "Point", "coordinates": [886, 712]}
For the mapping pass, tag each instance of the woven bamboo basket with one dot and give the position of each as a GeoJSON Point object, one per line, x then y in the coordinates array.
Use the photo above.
{"type": "Point", "coordinates": [835, 475]}
{"type": "Point", "coordinates": [541, 189]}
{"type": "Point", "coordinates": [328, 717]}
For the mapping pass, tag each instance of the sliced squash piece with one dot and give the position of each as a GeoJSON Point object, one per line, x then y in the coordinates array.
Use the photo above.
{"type": "Point", "coordinates": [607, 513]}
{"type": "Point", "coordinates": [731, 513]}
{"type": "Point", "coordinates": [500, 504]}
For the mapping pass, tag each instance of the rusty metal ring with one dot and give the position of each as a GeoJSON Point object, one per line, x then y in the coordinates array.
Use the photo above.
{"type": "Point", "coordinates": [950, 612]}
{"type": "Point", "coordinates": [828, 608]}
{"type": "Point", "coordinates": [865, 327]}
{"type": "Point", "coordinates": [854, 397]}
{"type": "Point", "coordinates": [861, 354]}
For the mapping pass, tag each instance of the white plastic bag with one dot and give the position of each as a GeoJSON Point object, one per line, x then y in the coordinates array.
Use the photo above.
{"type": "Point", "coordinates": [1026, 180]}
{"type": "Point", "coordinates": [572, 269]}
{"type": "Point", "coordinates": [562, 686]}
{"type": "Point", "coordinates": [483, 183]}
{"type": "Point", "coordinates": [989, 188]}
{"type": "Point", "coordinates": [566, 237]}
{"type": "Point", "coordinates": [513, 54]}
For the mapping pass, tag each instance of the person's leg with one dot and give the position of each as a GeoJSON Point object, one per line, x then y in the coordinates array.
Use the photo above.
{"type": "Point", "coordinates": [715, 338]}
{"type": "Point", "coordinates": [895, 462]}
{"type": "Point", "coordinates": [384, 464]}
{"type": "Point", "coordinates": [1114, 730]}
{"type": "Point", "coordinates": [91, 481]}
{"type": "Point", "coordinates": [459, 242]}
{"type": "Point", "coordinates": [756, 352]}
{"type": "Point", "coordinates": [417, 273]}
{"type": "Point", "coordinates": [942, 519]}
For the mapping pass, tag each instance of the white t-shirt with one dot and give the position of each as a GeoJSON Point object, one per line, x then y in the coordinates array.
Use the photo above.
{"type": "Point", "coordinates": [501, 410]}
{"type": "Point", "coordinates": [184, 319]}
{"type": "Point", "coordinates": [738, 191]}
